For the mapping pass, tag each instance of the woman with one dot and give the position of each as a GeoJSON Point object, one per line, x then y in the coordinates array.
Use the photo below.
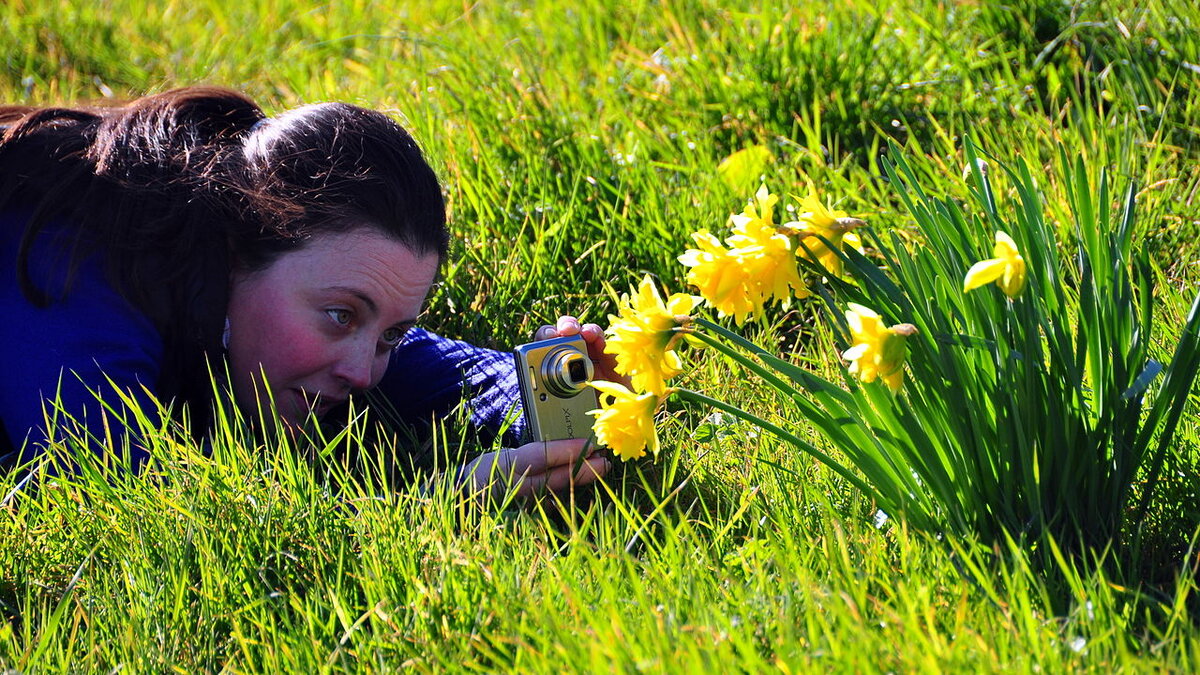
{"type": "Point", "coordinates": [185, 232]}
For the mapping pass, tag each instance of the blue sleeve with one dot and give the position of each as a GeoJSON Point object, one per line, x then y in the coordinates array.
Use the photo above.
{"type": "Point", "coordinates": [67, 351]}
{"type": "Point", "coordinates": [429, 375]}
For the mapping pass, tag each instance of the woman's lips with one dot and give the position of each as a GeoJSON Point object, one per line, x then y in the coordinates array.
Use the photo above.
{"type": "Point", "coordinates": [318, 404]}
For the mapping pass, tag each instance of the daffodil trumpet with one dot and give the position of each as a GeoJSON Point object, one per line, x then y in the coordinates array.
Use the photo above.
{"type": "Point", "coordinates": [625, 420]}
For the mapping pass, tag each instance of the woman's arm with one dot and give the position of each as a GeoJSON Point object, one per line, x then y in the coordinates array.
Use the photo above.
{"type": "Point", "coordinates": [428, 375]}
{"type": "Point", "coordinates": [53, 358]}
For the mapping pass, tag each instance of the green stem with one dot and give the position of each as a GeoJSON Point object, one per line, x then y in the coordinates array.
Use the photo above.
{"type": "Point", "coordinates": [758, 369]}
{"type": "Point", "coordinates": [728, 335]}
{"type": "Point", "coordinates": [781, 434]}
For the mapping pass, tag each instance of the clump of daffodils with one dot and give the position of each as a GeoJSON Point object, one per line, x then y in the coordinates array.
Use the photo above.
{"type": "Point", "coordinates": [757, 262]}
{"type": "Point", "coordinates": [643, 337]}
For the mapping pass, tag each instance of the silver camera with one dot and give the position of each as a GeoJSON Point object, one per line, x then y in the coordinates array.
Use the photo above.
{"type": "Point", "coordinates": [553, 376]}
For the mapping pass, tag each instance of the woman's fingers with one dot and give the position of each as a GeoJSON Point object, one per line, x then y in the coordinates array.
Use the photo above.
{"type": "Point", "coordinates": [541, 465]}
{"type": "Point", "coordinates": [592, 332]}
{"type": "Point", "coordinates": [530, 459]}
{"type": "Point", "coordinates": [566, 325]}
{"type": "Point", "coordinates": [541, 456]}
{"type": "Point", "coordinates": [561, 478]}
{"type": "Point", "coordinates": [569, 325]}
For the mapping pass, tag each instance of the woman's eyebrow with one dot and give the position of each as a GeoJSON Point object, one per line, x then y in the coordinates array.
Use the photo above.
{"type": "Point", "coordinates": [409, 323]}
{"type": "Point", "coordinates": [370, 304]}
{"type": "Point", "coordinates": [349, 290]}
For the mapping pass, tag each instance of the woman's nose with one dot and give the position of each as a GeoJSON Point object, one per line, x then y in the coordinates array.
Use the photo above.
{"type": "Point", "coordinates": [354, 368]}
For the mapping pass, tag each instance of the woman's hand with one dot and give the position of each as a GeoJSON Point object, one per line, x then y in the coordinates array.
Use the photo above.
{"type": "Point", "coordinates": [535, 468]}
{"type": "Point", "coordinates": [593, 335]}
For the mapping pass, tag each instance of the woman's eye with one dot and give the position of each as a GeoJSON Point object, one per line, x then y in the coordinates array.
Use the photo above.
{"type": "Point", "coordinates": [392, 336]}
{"type": "Point", "coordinates": [340, 316]}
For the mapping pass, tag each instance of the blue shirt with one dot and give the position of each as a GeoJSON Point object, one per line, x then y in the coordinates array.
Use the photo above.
{"type": "Point", "coordinates": [94, 340]}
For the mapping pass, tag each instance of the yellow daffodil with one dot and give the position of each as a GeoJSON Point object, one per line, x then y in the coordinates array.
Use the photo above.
{"type": "Point", "coordinates": [644, 335]}
{"type": "Point", "coordinates": [769, 261]}
{"type": "Point", "coordinates": [878, 351]}
{"type": "Point", "coordinates": [761, 208]}
{"type": "Point", "coordinates": [816, 222]}
{"type": "Point", "coordinates": [1007, 268]}
{"type": "Point", "coordinates": [625, 420]}
{"type": "Point", "coordinates": [815, 214]}
{"type": "Point", "coordinates": [721, 277]}
{"type": "Point", "coordinates": [759, 265]}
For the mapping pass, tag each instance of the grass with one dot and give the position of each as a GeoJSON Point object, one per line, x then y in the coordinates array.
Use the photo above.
{"type": "Point", "coordinates": [579, 145]}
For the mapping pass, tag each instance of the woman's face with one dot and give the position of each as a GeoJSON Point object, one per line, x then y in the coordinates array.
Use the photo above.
{"type": "Point", "coordinates": [321, 321]}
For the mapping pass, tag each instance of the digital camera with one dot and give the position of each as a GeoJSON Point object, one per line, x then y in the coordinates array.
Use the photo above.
{"type": "Point", "coordinates": [553, 376]}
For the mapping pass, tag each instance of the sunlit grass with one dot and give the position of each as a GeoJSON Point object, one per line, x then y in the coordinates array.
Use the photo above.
{"type": "Point", "coordinates": [579, 145]}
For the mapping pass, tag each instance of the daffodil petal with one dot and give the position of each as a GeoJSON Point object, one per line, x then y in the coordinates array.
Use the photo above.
{"type": "Point", "coordinates": [763, 194]}
{"type": "Point", "coordinates": [682, 303]}
{"type": "Point", "coordinates": [864, 311]}
{"type": "Point", "coordinates": [855, 352]}
{"type": "Point", "coordinates": [1005, 246]}
{"type": "Point", "coordinates": [610, 388]}
{"type": "Point", "coordinates": [854, 319]}
{"type": "Point", "coordinates": [983, 272]}
{"type": "Point", "coordinates": [853, 241]}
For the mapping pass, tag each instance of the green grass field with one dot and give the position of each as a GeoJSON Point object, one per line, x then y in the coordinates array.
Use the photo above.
{"type": "Point", "coordinates": [578, 144]}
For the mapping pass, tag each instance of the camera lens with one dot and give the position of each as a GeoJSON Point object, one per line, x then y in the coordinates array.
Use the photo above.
{"type": "Point", "coordinates": [577, 371]}
{"type": "Point", "coordinates": [566, 371]}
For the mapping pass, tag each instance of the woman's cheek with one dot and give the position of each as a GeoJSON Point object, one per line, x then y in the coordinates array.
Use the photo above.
{"type": "Point", "coordinates": [380, 368]}
{"type": "Point", "coordinates": [310, 352]}
{"type": "Point", "coordinates": [297, 348]}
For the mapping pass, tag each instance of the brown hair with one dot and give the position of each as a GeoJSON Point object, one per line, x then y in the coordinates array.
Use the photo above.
{"type": "Point", "coordinates": [175, 190]}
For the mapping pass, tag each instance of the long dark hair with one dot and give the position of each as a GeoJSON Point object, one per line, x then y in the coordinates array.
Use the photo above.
{"type": "Point", "coordinates": [175, 190]}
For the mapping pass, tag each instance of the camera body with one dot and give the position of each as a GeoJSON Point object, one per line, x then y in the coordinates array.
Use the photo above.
{"type": "Point", "coordinates": [553, 376]}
